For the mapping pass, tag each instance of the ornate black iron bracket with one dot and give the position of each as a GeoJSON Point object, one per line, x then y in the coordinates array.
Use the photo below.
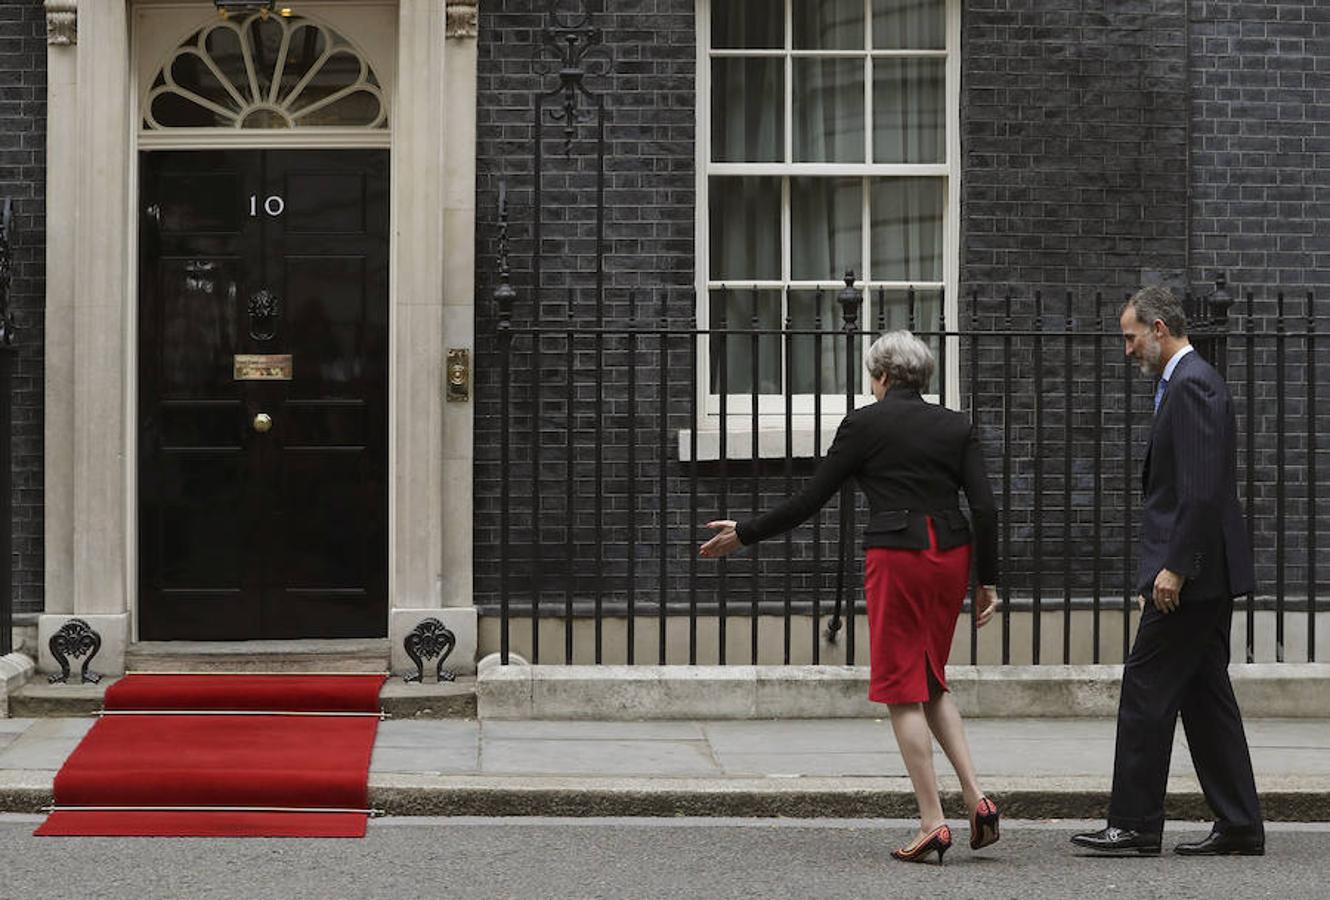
{"type": "Point", "coordinates": [6, 270]}
{"type": "Point", "coordinates": [504, 293]}
{"type": "Point", "coordinates": [6, 400]}
{"type": "Point", "coordinates": [572, 48]}
{"type": "Point", "coordinates": [263, 309]}
{"type": "Point", "coordinates": [427, 640]}
{"type": "Point", "coordinates": [75, 638]}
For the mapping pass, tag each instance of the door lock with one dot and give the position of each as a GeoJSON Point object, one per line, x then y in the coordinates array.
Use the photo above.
{"type": "Point", "coordinates": [262, 423]}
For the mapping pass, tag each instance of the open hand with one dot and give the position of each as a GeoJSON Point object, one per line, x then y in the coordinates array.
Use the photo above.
{"type": "Point", "coordinates": [724, 542]}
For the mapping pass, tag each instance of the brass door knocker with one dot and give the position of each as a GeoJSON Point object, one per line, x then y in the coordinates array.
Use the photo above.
{"type": "Point", "coordinates": [263, 310]}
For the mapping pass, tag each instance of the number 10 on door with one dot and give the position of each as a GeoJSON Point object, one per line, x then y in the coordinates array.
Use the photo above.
{"type": "Point", "coordinates": [273, 205]}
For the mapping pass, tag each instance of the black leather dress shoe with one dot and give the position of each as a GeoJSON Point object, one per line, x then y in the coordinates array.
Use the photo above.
{"type": "Point", "coordinates": [1120, 840]}
{"type": "Point", "coordinates": [1218, 843]}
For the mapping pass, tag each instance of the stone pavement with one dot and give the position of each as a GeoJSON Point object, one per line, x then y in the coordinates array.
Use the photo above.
{"type": "Point", "coordinates": [1035, 768]}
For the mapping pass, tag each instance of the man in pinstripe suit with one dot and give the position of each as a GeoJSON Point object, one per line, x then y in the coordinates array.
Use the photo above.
{"type": "Point", "coordinates": [1195, 557]}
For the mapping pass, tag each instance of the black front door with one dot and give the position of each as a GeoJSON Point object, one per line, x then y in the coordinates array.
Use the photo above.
{"type": "Point", "coordinates": [263, 394]}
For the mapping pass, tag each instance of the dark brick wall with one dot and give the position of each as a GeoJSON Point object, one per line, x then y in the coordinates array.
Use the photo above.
{"type": "Point", "coordinates": [1109, 145]}
{"type": "Point", "coordinates": [1074, 143]}
{"type": "Point", "coordinates": [23, 177]}
{"type": "Point", "coordinates": [1082, 123]}
{"type": "Point", "coordinates": [1261, 143]}
{"type": "Point", "coordinates": [1080, 131]}
{"type": "Point", "coordinates": [1074, 149]}
{"type": "Point", "coordinates": [1260, 211]}
{"type": "Point", "coordinates": [649, 212]}
{"type": "Point", "coordinates": [649, 100]}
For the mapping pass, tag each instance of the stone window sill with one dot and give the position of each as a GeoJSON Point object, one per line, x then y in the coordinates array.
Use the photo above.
{"type": "Point", "coordinates": [770, 441]}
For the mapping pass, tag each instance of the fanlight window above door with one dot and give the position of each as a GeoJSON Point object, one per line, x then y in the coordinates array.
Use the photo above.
{"type": "Point", "coordinates": [265, 72]}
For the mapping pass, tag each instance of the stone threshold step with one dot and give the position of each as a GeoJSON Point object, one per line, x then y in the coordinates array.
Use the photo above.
{"type": "Point", "coordinates": [310, 657]}
{"type": "Point", "coordinates": [445, 700]}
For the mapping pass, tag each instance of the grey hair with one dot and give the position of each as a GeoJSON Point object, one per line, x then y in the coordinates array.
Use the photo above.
{"type": "Point", "coordinates": [902, 358]}
{"type": "Point", "coordinates": [1155, 302]}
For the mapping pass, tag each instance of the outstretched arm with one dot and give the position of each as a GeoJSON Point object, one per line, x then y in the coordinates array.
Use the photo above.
{"type": "Point", "coordinates": [842, 460]}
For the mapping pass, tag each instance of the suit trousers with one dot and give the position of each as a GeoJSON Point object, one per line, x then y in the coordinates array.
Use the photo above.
{"type": "Point", "coordinates": [1179, 665]}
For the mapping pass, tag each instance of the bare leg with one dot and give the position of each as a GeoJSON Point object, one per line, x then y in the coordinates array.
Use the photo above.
{"type": "Point", "coordinates": [911, 729]}
{"type": "Point", "coordinates": [944, 720]}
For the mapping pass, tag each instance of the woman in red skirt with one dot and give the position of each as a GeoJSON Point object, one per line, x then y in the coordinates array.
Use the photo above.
{"type": "Point", "coordinates": [911, 458]}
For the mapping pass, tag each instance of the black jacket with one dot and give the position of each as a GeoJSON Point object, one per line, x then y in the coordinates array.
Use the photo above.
{"type": "Point", "coordinates": [1192, 523]}
{"type": "Point", "coordinates": [910, 458]}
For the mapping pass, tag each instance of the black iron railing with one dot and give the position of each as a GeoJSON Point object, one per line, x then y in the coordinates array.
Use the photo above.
{"type": "Point", "coordinates": [6, 419]}
{"type": "Point", "coordinates": [621, 424]}
{"type": "Point", "coordinates": [607, 482]}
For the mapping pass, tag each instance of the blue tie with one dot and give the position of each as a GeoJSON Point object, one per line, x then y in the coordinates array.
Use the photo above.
{"type": "Point", "coordinates": [1159, 392]}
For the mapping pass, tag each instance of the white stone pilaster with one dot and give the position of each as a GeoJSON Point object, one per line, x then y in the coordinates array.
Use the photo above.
{"type": "Point", "coordinates": [102, 312]}
{"type": "Point", "coordinates": [62, 176]}
{"type": "Point", "coordinates": [459, 310]}
{"type": "Point", "coordinates": [417, 340]}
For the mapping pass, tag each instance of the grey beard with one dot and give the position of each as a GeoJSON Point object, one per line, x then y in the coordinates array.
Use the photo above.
{"type": "Point", "coordinates": [1151, 359]}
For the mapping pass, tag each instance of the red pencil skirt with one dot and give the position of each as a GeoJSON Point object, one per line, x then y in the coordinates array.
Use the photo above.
{"type": "Point", "coordinates": [914, 598]}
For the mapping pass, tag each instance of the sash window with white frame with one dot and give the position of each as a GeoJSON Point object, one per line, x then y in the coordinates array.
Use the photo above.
{"type": "Point", "coordinates": [828, 140]}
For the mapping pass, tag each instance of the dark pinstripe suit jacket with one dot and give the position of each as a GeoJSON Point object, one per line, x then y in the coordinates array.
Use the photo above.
{"type": "Point", "coordinates": [1192, 522]}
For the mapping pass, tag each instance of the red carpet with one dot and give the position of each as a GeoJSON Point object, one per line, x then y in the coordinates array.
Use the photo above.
{"type": "Point", "coordinates": [238, 775]}
{"type": "Point", "coordinates": [249, 693]}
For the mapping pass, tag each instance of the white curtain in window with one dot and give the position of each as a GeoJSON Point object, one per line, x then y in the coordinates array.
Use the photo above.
{"type": "Point", "coordinates": [827, 24]}
{"type": "Point", "coordinates": [739, 309]}
{"type": "Point", "coordinates": [906, 229]}
{"type": "Point", "coordinates": [826, 230]}
{"type": "Point", "coordinates": [909, 110]}
{"type": "Point", "coordinates": [747, 24]}
{"type": "Point", "coordinates": [909, 24]}
{"type": "Point", "coordinates": [828, 110]}
{"type": "Point", "coordinates": [805, 357]}
{"type": "Point", "coordinates": [745, 246]}
{"type": "Point", "coordinates": [747, 109]}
